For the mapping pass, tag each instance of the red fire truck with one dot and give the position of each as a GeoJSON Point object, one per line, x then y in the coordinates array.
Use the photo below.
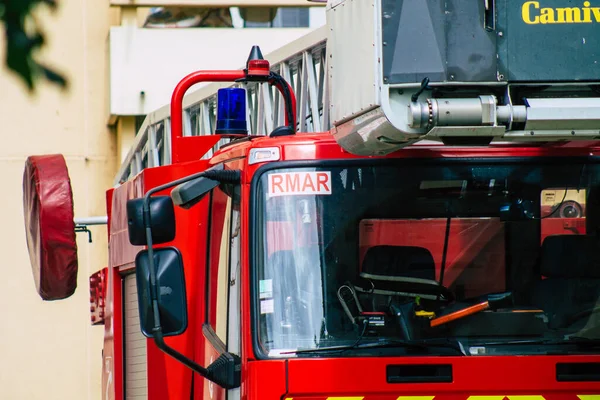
{"type": "Point", "coordinates": [403, 253]}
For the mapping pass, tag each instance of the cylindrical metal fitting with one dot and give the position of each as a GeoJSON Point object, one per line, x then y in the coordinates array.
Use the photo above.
{"type": "Point", "coordinates": [418, 115]}
{"type": "Point", "coordinates": [457, 112]}
{"type": "Point", "coordinates": [508, 114]}
{"type": "Point", "coordinates": [481, 111]}
{"type": "Point", "coordinates": [448, 112]}
{"type": "Point", "coordinates": [91, 221]}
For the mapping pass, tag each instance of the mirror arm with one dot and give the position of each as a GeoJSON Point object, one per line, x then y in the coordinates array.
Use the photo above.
{"type": "Point", "coordinates": [229, 176]}
{"type": "Point", "coordinates": [157, 330]}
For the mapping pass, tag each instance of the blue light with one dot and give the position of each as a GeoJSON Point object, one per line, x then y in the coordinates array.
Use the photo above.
{"type": "Point", "coordinates": [231, 112]}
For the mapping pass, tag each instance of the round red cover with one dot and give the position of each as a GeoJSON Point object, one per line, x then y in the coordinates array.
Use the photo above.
{"type": "Point", "coordinates": [49, 226]}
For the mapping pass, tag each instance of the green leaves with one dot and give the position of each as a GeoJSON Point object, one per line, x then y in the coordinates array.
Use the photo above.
{"type": "Point", "coordinates": [23, 37]}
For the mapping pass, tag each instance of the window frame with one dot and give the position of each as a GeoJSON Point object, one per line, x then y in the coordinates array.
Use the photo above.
{"type": "Point", "coordinates": [210, 331]}
{"type": "Point", "coordinates": [255, 229]}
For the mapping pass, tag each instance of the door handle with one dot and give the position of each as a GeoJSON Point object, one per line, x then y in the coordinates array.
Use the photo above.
{"type": "Point", "coordinates": [578, 372]}
{"type": "Point", "coordinates": [419, 373]}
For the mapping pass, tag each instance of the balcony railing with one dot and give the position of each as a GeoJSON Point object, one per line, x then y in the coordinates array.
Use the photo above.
{"type": "Point", "coordinates": [302, 62]}
{"type": "Point", "coordinates": [216, 3]}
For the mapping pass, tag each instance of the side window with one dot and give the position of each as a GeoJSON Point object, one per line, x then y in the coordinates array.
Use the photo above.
{"type": "Point", "coordinates": [285, 17]}
{"type": "Point", "coordinates": [234, 344]}
{"type": "Point", "coordinates": [562, 212]}
{"type": "Point", "coordinates": [223, 263]}
{"type": "Point", "coordinates": [218, 263]}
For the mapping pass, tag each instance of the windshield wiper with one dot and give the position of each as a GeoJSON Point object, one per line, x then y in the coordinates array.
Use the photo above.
{"type": "Point", "coordinates": [418, 344]}
{"type": "Point", "coordinates": [583, 341]}
{"type": "Point", "coordinates": [572, 340]}
{"type": "Point", "coordinates": [388, 343]}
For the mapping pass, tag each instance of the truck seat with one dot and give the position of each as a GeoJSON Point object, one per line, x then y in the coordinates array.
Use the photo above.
{"type": "Point", "coordinates": [388, 262]}
{"type": "Point", "coordinates": [570, 265]}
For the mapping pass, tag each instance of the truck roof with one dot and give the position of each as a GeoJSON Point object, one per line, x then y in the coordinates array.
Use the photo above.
{"type": "Point", "coordinates": [316, 146]}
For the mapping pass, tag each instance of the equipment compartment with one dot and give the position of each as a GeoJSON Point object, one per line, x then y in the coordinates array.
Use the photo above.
{"type": "Point", "coordinates": [489, 41]}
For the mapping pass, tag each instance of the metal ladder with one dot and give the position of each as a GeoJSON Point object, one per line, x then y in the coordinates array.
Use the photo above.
{"type": "Point", "coordinates": [303, 63]}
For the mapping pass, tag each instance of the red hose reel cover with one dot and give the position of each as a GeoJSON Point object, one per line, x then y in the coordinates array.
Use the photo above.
{"type": "Point", "coordinates": [50, 226]}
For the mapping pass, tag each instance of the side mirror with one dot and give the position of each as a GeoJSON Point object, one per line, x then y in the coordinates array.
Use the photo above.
{"type": "Point", "coordinates": [162, 219]}
{"type": "Point", "coordinates": [172, 303]}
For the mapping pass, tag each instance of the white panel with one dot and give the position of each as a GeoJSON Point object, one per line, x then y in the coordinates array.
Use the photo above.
{"type": "Point", "coordinates": [153, 61]}
{"type": "Point", "coordinates": [212, 3]}
{"type": "Point", "coordinates": [354, 67]}
{"type": "Point", "coordinates": [316, 17]}
{"type": "Point", "coordinates": [136, 382]}
{"type": "Point", "coordinates": [284, 59]}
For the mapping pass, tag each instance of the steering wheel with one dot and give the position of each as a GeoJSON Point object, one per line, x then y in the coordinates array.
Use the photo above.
{"type": "Point", "coordinates": [442, 293]}
{"type": "Point", "coordinates": [423, 288]}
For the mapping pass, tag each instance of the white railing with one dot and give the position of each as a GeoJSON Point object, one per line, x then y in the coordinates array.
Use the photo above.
{"type": "Point", "coordinates": [303, 63]}
{"type": "Point", "coordinates": [216, 3]}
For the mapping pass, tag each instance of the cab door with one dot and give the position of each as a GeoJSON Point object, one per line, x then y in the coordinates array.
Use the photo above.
{"type": "Point", "coordinates": [221, 328]}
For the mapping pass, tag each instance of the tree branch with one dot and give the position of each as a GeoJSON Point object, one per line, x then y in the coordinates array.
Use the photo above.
{"type": "Point", "coordinates": [22, 43]}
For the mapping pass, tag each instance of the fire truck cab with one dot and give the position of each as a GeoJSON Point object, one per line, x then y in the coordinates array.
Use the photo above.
{"type": "Point", "coordinates": [426, 266]}
{"type": "Point", "coordinates": [404, 235]}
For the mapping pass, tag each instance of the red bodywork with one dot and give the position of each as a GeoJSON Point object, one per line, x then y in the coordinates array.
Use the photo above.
{"type": "Point", "coordinates": [493, 377]}
{"type": "Point", "coordinates": [98, 286]}
{"type": "Point", "coordinates": [316, 378]}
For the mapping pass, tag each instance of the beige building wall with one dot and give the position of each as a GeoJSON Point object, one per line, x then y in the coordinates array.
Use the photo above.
{"type": "Point", "coordinates": [49, 350]}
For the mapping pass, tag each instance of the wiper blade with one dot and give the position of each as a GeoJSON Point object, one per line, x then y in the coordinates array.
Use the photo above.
{"type": "Point", "coordinates": [572, 340]}
{"type": "Point", "coordinates": [582, 341]}
{"type": "Point", "coordinates": [390, 343]}
{"type": "Point", "coordinates": [417, 344]}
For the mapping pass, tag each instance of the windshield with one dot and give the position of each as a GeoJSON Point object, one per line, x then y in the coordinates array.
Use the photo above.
{"type": "Point", "coordinates": [483, 254]}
